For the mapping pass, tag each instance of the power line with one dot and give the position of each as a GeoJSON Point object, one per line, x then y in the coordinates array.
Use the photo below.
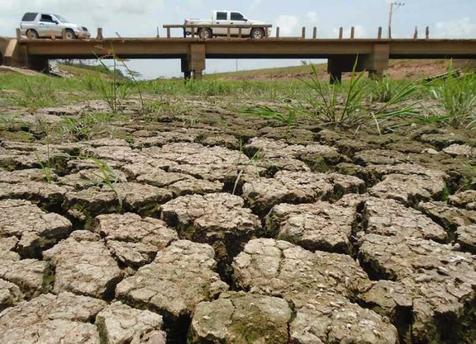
{"type": "Point", "coordinates": [392, 5]}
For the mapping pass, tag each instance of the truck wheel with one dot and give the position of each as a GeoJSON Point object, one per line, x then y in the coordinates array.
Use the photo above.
{"type": "Point", "coordinates": [257, 33]}
{"type": "Point", "coordinates": [32, 34]}
{"type": "Point", "coordinates": [205, 34]}
{"type": "Point", "coordinates": [69, 34]}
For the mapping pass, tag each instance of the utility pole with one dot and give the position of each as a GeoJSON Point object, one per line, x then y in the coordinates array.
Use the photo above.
{"type": "Point", "coordinates": [392, 4]}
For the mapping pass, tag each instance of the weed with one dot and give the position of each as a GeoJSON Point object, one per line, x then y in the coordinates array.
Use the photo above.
{"type": "Point", "coordinates": [336, 104]}
{"type": "Point", "coordinates": [46, 166]}
{"type": "Point", "coordinates": [384, 90]}
{"type": "Point", "coordinates": [84, 127]}
{"type": "Point", "coordinates": [112, 92]}
{"type": "Point", "coordinates": [107, 176]}
{"type": "Point", "coordinates": [346, 105]}
{"type": "Point", "coordinates": [458, 97]}
{"type": "Point", "coordinates": [253, 161]}
{"type": "Point", "coordinates": [33, 96]}
{"type": "Point", "coordinates": [155, 110]}
{"type": "Point", "coordinates": [289, 118]}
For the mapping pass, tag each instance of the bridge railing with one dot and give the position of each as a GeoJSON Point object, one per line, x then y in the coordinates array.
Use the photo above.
{"type": "Point", "coordinates": [193, 30]}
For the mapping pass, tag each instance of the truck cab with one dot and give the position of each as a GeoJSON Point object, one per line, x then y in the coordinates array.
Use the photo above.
{"type": "Point", "coordinates": [232, 20]}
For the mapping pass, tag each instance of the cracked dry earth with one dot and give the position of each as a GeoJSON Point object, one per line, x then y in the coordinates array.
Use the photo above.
{"type": "Point", "coordinates": [244, 233]}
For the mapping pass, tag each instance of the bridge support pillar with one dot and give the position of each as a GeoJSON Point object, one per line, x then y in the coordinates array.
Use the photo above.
{"type": "Point", "coordinates": [338, 65]}
{"type": "Point", "coordinates": [335, 77]}
{"type": "Point", "coordinates": [187, 73]}
{"type": "Point", "coordinates": [377, 62]}
{"type": "Point", "coordinates": [39, 64]}
{"type": "Point", "coordinates": [196, 60]}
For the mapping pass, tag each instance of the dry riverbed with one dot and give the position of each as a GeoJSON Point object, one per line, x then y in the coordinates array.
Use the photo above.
{"type": "Point", "coordinates": [217, 227]}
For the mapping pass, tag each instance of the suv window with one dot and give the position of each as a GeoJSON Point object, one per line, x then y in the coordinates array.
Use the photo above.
{"type": "Point", "coordinates": [221, 16]}
{"type": "Point", "coordinates": [47, 18]}
{"type": "Point", "coordinates": [29, 17]}
{"type": "Point", "coordinates": [237, 16]}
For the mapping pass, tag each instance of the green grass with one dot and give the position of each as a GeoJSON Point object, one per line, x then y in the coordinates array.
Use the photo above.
{"type": "Point", "coordinates": [251, 90]}
{"type": "Point", "coordinates": [356, 102]}
{"type": "Point", "coordinates": [458, 97]}
{"type": "Point", "coordinates": [84, 127]}
{"type": "Point", "coordinates": [34, 92]}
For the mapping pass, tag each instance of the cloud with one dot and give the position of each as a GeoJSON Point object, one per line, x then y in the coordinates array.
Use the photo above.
{"type": "Point", "coordinates": [459, 28]}
{"type": "Point", "coordinates": [129, 17]}
{"type": "Point", "coordinates": [312, 16]}
{"type": "Point", "coordinates": [83, 6]}
{"type": "Point", "coordinates": [255, 4]}
{"type": "Point", "coordinates": [287, 24]}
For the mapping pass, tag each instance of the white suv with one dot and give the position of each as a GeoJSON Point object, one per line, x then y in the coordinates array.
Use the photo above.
{"type": "Point", "coordinates": [45, 25]}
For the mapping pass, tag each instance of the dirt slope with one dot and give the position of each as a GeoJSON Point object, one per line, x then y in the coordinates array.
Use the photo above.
{"type": "Point", "coordinates": [399, 69]}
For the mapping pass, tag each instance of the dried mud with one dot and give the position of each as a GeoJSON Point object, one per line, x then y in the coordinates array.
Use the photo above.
{"type": "Point", "coordinates": [211, 227]}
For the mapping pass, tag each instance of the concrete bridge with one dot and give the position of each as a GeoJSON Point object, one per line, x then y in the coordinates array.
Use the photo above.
{"type": "Point", "coordinates": [373, 54]}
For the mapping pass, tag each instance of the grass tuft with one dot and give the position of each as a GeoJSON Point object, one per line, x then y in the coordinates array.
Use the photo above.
{"type": "Point", "coordinates": [457, 95]}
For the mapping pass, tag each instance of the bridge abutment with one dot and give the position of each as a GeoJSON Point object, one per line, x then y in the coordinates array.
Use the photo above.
{"type": "Point", "coordinates": [16, 55]}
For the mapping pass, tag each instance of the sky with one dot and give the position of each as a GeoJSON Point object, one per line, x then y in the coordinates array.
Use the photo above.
{"type": "Point", "coordinates": [135, 18]}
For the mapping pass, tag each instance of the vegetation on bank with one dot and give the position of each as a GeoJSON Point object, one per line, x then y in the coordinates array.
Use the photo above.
{"type": "Point", "coordinates": [357, 101]}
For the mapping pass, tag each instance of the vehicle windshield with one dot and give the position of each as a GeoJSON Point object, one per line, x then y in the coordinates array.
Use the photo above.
{"type": "Point", "coordinates": [61, 19]}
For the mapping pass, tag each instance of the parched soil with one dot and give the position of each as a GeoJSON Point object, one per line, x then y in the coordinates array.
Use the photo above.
{"type": "Point", "coordinates": [216, 227]}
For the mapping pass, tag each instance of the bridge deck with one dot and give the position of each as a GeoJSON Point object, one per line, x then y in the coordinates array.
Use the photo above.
{"type": "Point", "coordinates": [373, 54]}
{"type": "Point", "coordinates": [247, 48]}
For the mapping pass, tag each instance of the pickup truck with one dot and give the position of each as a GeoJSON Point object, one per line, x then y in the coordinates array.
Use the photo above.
{"type": "Point", "coordinates": [228, 19]}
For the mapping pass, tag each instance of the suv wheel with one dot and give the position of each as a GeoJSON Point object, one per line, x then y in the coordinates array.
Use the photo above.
{"type": "Point", "coordinates": [257, 33]}
{"type": "Point", "coordinates": [32, 34]}
{"type": "Point", "coordinates": [69, 34]}
{"type": "Point", "coordinates": [205, 34]}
